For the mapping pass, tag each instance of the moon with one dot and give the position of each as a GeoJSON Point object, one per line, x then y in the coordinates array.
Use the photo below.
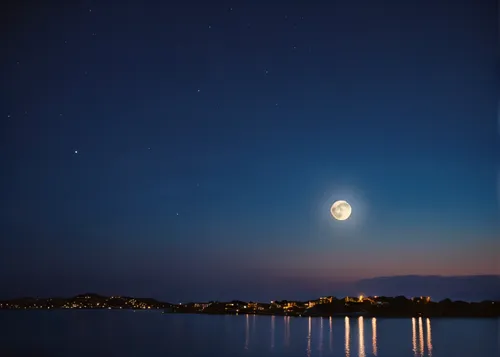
{"type": "Point", "coordinates": [341, 210]}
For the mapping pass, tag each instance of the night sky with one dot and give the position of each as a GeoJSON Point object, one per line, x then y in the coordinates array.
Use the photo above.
{"type": "Point", "coordinates": [184, 150]}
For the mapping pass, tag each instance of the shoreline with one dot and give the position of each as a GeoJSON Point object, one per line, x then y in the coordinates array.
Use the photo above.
{"type": "Point", "coordinates": [369, 307]}
{"type": "Point", "coordinates": [336, 316]}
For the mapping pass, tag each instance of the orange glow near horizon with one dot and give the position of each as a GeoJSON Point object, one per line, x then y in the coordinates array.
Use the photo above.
{"type": "Point", "coordinates": [474, 261]}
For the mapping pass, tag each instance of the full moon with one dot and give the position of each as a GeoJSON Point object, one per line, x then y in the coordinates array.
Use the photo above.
{"type": "Point", "coordinates": [341, 210]}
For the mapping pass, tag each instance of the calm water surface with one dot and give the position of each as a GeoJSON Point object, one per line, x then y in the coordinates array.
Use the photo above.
{"type": "Point", "coordinates": [151, 334]}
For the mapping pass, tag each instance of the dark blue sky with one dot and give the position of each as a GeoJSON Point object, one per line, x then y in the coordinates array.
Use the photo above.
{"type": "Point", "coordinates": [188, 150]}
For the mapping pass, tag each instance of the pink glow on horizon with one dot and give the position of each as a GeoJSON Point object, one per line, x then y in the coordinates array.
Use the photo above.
{"type": "Point", "coordinates": [471, 258]}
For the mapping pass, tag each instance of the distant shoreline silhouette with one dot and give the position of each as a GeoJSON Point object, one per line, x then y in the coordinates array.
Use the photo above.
{"type": "Point", "coordinates": [329, 306]}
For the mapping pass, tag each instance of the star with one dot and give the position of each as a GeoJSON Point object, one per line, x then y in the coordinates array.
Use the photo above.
{"type": "Point", "coordinates": [199, 90]}
{"type": "Point", "coordinates": [177, 214]}
{"type": "Point", "coordinates": [209, 26]}
{"type": "Point", "coordinates": [76, 151]}
{"type": "Point", "coordinates": [267, 72]}
{"type": "Point", "coordinates": [8, 115]}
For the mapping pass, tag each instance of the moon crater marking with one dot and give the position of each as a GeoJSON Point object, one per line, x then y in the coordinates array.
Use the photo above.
{"type": "Point", "coordinates": [341, 210]}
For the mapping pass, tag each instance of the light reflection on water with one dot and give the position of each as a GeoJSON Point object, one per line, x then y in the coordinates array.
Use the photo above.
{"type": "Point", "coordinates": [247, 331]}
{"type": "Point", "coordinates": [418, 340]}
{"type": "Point", "coordinates": [287, 331]}
{"type": "Point", "coordinates": [321, 333]}
{"type": "Point", "coordinates": [347, 337]}
{"type": "Point", "coordinates": [420, 337]}
{"type": "Point", "coordinates": [418, 343]}
{"type": "Point", "coordinates": [124, 334]}
{"type": "Point", "coordinates": [309, 331]}
{"type": "Point", "coordinates": [330, 342]}
{"type": "Point", "coordinates": [429, 337]}
{"type": "Point", "coordinates": [361, 335]}
{"type": "Point", "coordinates": [273, 327]}
{"type": "Point", "coordinates": [414, 336]}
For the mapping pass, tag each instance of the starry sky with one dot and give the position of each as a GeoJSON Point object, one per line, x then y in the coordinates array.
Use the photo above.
{"type": "Point", "coordinates": [185, 150]}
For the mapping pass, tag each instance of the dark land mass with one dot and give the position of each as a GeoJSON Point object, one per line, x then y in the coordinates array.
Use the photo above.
{"type": "Point", "coordinates": [377, 306]}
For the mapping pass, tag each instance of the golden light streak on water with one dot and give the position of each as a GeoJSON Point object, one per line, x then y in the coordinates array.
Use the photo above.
{"type": "Point", "coordinates": [287, 330]}
{"type": "Point", "coordinates": [374, 337]}
{"type": "Point", "coordinates": [361, 334]}
{"type": "Point", "coordinates": [331, 335]}
{"type": "Point", "coordinates": [347, 328]}
{"type": "Point", "coordinates": [309, 329]}
{"type": "Point", "coordinates": [247, 331]}
{"type": "Point", "coordinates": [421, 336]}
{"type": "Point", "coordinates": [414, 336]}
{"type": "Point", "coordinates": [321, 332]}
{"type": "Point", "coordinates": [429, 337]}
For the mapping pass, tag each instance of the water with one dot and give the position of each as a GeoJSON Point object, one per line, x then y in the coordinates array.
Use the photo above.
{"type": "Point", "coordinates": [151, 334]}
